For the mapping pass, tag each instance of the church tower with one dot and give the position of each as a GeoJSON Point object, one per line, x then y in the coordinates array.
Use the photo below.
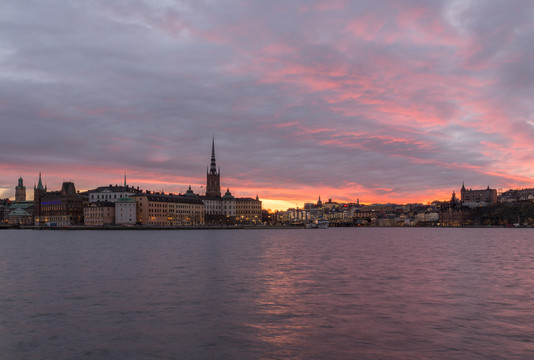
{"type": "Point", "coordinates": [213, 186]}
{"type": "Point", "coordinates": [38, 192]}
{"type": "Point", "coordinates": [20, 191]}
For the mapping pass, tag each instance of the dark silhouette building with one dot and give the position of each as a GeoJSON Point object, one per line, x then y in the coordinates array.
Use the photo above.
{"type": "Point", "coordinates": [59, 208]}
{"type": "Point", "coordinates": [476, 198]}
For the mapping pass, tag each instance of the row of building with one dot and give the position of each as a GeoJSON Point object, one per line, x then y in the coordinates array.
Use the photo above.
{"type": "Point", "coordinates": [455, 212]}
{"type": "Point", "coordinates": [127, 205]}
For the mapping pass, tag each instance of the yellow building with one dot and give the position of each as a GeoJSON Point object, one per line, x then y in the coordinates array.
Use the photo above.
{"type": "Point", "coordinates": [99, 213]}
{"type": "Point", "coordinates": [248, 211]}
{"type": "Point", "coordinates": [157, 209]}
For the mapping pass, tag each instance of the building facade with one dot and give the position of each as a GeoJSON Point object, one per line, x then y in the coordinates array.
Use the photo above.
{"type": "Point", "coordinates": [112, 192]}
{"type": "Point", "coordinates": [248, 211]}
{"type": "Point", "coordinates": [125, 213]}
{"type": "Point", "coordinates": [158, 209]}
{"type": "Point", "coordinates": [476, 198]}
{"type": "Point", "coordinates": [4, 206]}
{"type": "Point", "coordinates": [229, 208]}
{"type": "Point", "coordinates": [59, 208]}
{"type": "Point", "coordinates": [99, 213]}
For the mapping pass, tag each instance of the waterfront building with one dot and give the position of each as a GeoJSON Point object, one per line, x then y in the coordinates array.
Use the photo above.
{"type": "Point", "coordinates": [20, 191]}
{"type": "Point", "coordinates": [340, 215]}
{"type": "Point", "coordinates": [159, 209]}
{"type": "Point", "coordinates": [428, 216]}
{"type": "Point", "coordinates": [58, 208]}
{"type": "Point", "coordinates": [365, 215]}
{"type": "Point", "coordinates": [292, 216]}
{"type": "Point", "coordinates": [476, 198]}
{"type": "Point", "coordinates": [125, 211]}
{"type": "Point", "coordinates": [4, 204]}
{"type": "Point", "coordinates": [248, 210]}
{"type": "Point", "coordinates": [99, 213]}
{"type": "Point", "coordinates": [213, 209]}
{"type": "Point", "coordinates": [112, 192]}
{"type": "Point", "coordinates": [229, 207]}
{"type": "Point", "coordinates": [20, 213]}
{"type": "Point", "coordinates": [19, 216]}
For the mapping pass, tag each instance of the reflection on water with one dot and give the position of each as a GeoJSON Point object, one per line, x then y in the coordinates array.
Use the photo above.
{"type": "Point", "coordinates": [296, 294]}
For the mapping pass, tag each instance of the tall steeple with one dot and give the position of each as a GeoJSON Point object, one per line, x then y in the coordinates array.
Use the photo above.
{"type": "Point", "coordinates": [124, 179]}
{"type": "Point", "coordinates": [213, 165]}
{"type": "Point", "coordinates": [40, 184]}
{"type": "Point", "coordinates": [213, 185]}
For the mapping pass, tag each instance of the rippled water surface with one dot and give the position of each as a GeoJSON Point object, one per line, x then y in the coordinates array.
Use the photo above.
{"type": "Point", "coordinates": [354, 293]}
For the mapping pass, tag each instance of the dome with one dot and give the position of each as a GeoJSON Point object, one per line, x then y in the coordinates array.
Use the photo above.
{"type": "Point", "coordinates": [228, 195]}
{"type": "Point", "coordinates": [189, 192]}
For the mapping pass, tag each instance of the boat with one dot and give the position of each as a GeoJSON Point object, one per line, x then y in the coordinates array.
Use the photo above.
{"type": "Point", "coordinates": [318, 224]}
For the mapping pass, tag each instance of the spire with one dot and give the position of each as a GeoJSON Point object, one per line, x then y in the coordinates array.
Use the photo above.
{"type": "Point", "coordinates": [125, 179]}
{"type": "Point", "coordinates": [213, 165]}
{"type": "Point", "coordinates": [40, 184]}
{"type": "Point", "coordinates": [213, 185]}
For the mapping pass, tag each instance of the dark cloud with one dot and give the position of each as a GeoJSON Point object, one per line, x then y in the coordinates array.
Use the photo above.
{"type": "Point", "coordinates": [384, 101]}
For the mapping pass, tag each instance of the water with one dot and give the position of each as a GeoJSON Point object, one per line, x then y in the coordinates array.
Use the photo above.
{"type": "Point", "coordinates": [354, 293]}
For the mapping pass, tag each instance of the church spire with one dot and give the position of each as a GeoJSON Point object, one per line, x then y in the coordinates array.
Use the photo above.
{"type": "Point", "coordinates": [125, 179]}
{"type": "Point", "coordinates": [213, 185]}
{"type": "Point", "coordinates": [213, 165]}
{"type": "Point", "coordinates": [40, 183]}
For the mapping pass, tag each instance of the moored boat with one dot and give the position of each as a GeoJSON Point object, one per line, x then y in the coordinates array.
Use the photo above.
{"type": "Point", "coordinates": [318, 224]}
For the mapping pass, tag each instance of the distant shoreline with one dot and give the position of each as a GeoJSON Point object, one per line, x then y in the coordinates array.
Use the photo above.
{"type": "Point", "coordinates": [114, 228]}
{"type": "Point", "coordinates": [239, 227]}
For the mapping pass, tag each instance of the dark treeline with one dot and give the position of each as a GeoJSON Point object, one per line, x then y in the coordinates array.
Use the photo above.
{"type": "Point", "coordinates": [504, 214]}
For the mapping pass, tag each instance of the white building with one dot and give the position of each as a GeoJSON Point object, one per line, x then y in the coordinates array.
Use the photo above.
{"type": "Point", "coordinates": [213, 204]}
{"type": "Point", "coordinates": [125, 211]}
{"type": "Point", "coordinates": [111, 193]}
{"type": "Point", "coordinates": [228, 205]}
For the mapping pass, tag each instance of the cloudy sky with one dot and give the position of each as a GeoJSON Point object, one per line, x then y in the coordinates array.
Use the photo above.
{"type": "Point", "coordinates": [380, 101]}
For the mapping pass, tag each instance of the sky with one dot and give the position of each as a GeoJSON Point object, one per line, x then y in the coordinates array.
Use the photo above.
{"type": "Point", "coordinates": [376, 101]}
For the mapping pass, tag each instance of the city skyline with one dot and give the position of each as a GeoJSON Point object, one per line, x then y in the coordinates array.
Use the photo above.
{"type": "Point", "coordinates": [343, 100]}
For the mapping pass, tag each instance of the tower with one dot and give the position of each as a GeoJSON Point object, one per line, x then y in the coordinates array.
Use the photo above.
{"type": "Point", "coordinates": [213, 185]}
{"type": "Point", "coordinates": [38, 191]}
{"type": "Point", "coordinates": [20, 191]}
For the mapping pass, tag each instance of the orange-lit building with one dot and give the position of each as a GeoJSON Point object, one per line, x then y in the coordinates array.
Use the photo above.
{"type": "Point", "coordinates": [248, 210]}
{"type": "Point", "coordinates": [159, 209]}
